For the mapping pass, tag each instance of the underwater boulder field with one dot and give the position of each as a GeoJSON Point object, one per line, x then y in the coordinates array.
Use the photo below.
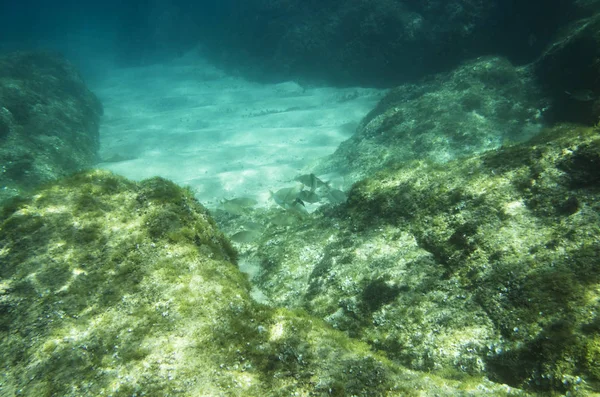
{"type": "Point", "coordinates": [450, 246]}
{"type": "Point", "coordinates": [111, 287]}
{"type": "Point", "coordinates": [484, 266]}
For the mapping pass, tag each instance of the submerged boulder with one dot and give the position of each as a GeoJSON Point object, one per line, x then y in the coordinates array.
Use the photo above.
{"type": "Point", "coordinates": [483, 266]}
{"type": "Point", "coordinates": [110, 287]}
{"type": "Point", "coordinates": [479, 106]}
{"type": "Point", "coordinates": [382, 43]}
{"type": "Point", "coordinates": [350, 42]}
{"type": "Point", "coordinates": [49, 121]}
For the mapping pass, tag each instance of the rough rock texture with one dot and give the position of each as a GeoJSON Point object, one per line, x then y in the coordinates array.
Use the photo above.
{"type": "Point", "coordinates": [377, 42]}
{"type": "Point", "coordinates": [487, 265]}
{"type": "Point", "coordinates": [480, 105]}
{"type": "Point", "coordinates": [48, 121]}
{"type": "Point", "coordinates": [477, 107]}
{"type": "Point", "coordinates": [384, 42]}
{"type": "Point", "coordinates": [109, 287]}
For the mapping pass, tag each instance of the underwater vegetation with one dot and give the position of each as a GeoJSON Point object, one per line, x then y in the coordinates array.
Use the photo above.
{"type": "Point", "coordinates": [431, 277]}
{"type": "Point", "coordinates": [112, 287]}
{"type": "Point", "coordinates": [487, 265]}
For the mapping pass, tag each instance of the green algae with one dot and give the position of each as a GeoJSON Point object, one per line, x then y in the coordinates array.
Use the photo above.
{"type": "Point", "coordinates": [110, 287]}
{"type": "Point", "coordinates": [485, 265]}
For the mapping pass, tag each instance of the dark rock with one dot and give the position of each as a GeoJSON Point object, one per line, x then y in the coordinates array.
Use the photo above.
{"type": "Point", "coordinates": [48, 121]}
{"type": "Point", "coordinates": [570, 64]}
{"type": "Point", "coordinates": [383, 43]}
{"type": "Point", "coordinates": [583, 166]}
{"type": "Point", "coordinates": [569, 206]}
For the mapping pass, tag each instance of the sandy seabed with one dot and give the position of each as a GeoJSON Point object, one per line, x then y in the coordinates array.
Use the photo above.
{"type": "Point", "coordinates": [221, 135]}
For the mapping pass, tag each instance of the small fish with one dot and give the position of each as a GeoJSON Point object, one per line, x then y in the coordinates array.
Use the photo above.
{"type": "Point", "coordinates": [311, 181]}
{"type": "Point", "coordinates": [309, 196]}
{"type": "Point", "coordinates": [285, 196]}
{"type": "Point", "coordinates": [336, 196]}
{"type": "Point", "coordinates": [245, 236]}
{"type": "Point", "coordinates": [582, 95]}
{"type": "Point", "coordinates": [233, 208]}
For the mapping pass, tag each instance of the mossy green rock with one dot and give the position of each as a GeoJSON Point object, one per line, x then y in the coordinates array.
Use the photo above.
{"type": "Point", "coordinates": [110, 287]}
{"type": "Point", "coordinates": [488, 265]}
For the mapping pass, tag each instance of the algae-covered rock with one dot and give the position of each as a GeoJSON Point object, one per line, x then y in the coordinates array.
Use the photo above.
{"type": "Point", "coordinates": [488, 265]}
{"type": "Point", "coordinates": [476, 107]}
{"type": "Point", "coordinates": [110, 287]}
{"type": "Point", "coordinates": [48, 121]}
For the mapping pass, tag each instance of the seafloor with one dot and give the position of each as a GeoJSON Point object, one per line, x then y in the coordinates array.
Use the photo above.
{"type": "Point", "coordinates": [448, 245]}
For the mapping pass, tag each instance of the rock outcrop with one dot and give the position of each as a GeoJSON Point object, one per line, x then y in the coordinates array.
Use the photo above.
{"type": "Point", "coordinates": [49, 121]}
{"type": "Point", "coordinates": [110, 287]}
{"type": "Point", "coordinates": [477, 107]}
{"type": "Point", "coordinates": [484, 266]}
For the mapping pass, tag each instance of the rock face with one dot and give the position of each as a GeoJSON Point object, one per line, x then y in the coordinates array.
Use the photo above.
{"type": "Point", "coordinates": [354, 42]}
{"type": "Point", "coordinates": [477, 107]}
{"type": "Point", "coordinates": [487, 265]}
{"type": "Point", "coordinates": [109, 287]}
{"type": "Point", "coordinates": [568, 70]}
{"type": "Point", "coordinates": [480, 105]}
{"type": "Point", "coordinates": [387, 42]}
{"type": "Point", "coordinates": [48, 121]}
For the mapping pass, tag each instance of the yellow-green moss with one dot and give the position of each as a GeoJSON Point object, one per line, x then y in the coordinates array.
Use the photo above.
{"type": "Point", "coordinates": [109, 287]}
{"type": "Point", "coordinates": [483, 265]}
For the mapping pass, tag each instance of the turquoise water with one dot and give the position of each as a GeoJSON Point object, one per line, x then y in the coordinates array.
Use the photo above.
{"type": "Point", "coordinates": [298, 198]}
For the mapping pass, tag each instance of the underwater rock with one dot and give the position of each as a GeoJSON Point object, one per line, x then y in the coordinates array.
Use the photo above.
{"type": "Point", "coordinates": [568, 70]}
{"type": "Point", "coordinates": [484, 266]}
{"type": "Point", "coordinates": [474, 108]}
{"type": "Point", "coordinates": [111, 287]}
{"type": "Point", "coordinates": [352, 42]}
{"type": "Point", "coordinates": [285, 219]}
{"type": "Point", "coordinates": [48, 121]}
{"type": "Point", "coordinates": [381, 43]}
